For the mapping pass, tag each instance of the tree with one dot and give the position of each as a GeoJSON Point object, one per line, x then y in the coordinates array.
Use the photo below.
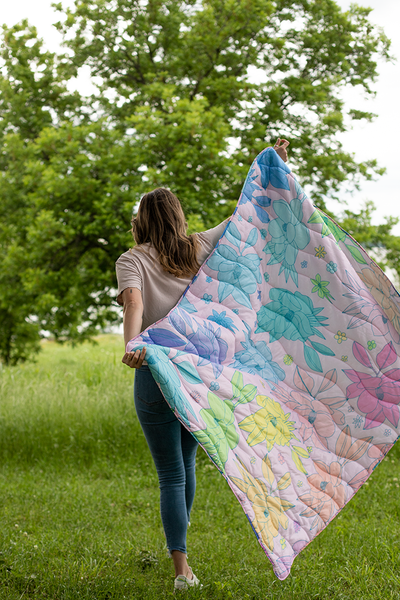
{"type": "Point", "coordinates": [175, 107]}
{"type": "Point", "coordinates": [305, 51]}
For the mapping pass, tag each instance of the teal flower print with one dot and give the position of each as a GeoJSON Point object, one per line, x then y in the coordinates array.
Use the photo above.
{"type": "Point", "coordinates": [288, 236]}
{"type": "Point", "coordinates": [289, 315]}
{"type": "Point", "coordinates": [165, 375]}
{"type": "Point", "coordinates": [222, 320]}
{"type": "Point", "coordinates": [331, 267]}
{"type": "Point", "coordinates": [238, 273]}
{"type": "Point", "coordinates": [294, 317]}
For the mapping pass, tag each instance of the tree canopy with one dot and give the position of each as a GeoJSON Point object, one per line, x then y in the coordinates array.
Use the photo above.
{"type": "Point", "coordinates": [187, 94]}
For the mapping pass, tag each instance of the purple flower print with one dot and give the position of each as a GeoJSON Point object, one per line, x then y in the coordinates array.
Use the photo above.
{"type": "Point", "coordinates": [208, 344]}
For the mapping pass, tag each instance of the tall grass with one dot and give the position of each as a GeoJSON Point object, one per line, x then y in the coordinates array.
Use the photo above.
{"type": "Point", "coordinates": [71, 406]}
{"type": "Point", "coordinates": [79, 515]}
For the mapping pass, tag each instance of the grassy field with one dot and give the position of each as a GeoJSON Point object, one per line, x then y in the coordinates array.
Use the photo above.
{"type": "Point", "coordinates": [80, 514]}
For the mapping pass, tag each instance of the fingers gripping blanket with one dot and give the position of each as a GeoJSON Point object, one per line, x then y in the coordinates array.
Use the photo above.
{"type": "Point", "coordinates": [282, 360]}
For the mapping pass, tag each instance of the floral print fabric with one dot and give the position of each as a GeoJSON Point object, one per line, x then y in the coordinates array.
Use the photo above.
{"type": "Point", "coordinates": [282, 359]}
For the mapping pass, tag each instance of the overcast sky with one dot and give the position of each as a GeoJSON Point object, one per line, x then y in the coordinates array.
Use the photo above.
{"type": "Point", "coordinates": [369, 140]}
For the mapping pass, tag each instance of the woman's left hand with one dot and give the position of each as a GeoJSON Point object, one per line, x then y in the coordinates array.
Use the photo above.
{"type": "Point", "coordinates": [134, 359]}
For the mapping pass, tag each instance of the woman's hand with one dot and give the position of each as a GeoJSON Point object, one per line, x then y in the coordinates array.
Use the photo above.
{"type": "Point", "coordinates": [280, 148]}
{"type": "Point", "coordinates": [134, 359]}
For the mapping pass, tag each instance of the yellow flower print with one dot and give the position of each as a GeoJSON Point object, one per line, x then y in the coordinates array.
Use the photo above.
{"type": "Point", "coordinates": [270, 424]}
{"type": "Point", "coordinates": [340, 337]}
{"type": "Point", "coordinates": [269, 510]}
{"type": "Point", "coordinates": [287, 359]}
{"type": "Point", "coordinates": [320, 252]}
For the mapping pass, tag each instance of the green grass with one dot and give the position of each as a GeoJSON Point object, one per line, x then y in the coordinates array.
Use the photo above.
{"type": "Point", "coordinates": [80, 513]}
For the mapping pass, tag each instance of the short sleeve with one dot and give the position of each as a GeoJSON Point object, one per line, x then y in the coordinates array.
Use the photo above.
{"type": "Point", "coordinates": [209, 238]}
{"type": "Point", "coordinates": [128, 274]}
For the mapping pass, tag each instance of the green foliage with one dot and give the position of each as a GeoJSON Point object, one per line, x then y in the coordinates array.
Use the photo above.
{"type": "Point", "coordinates": [177, 106]}
{"type": "Point", "coordinates": [378, 239]}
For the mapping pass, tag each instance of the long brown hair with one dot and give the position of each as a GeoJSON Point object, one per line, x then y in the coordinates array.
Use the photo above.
{"type": "Point", "coordinates": [161, 222]}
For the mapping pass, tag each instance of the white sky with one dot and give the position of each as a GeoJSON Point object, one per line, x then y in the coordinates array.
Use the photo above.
{"type": "Point", "coordinates": [369, 140]}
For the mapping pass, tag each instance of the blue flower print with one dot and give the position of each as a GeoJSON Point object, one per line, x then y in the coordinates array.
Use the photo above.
{"type": "Point", "coordinates": [236, 311]}
{"type": "Point", "coordinates": [214, 386]}
{"type": "Point", "coordinates": [259, 295]}
{"type": "Point", "coordinates": [331, 267]}
{"type": "Point", "coordinates": [250, 219]}
{"type": "Point", "coordinates": [357, 422]}
{"type": "Point", "coordinates": [273, 170]}
{"type": "Point", "coordinates": [222, 320]}
{"type": "Point", "coordinates": [304, 264]}
{"type": "Point", "coordinates": [256, 358]}
{"type": "Point", "coordinates": [240, 218]}
{"type": "Point", "coordinates": [266, 277]}
{"type": "Point", "coordinates": [207, 298]}
{"type": "Point", "coordinates": [288, 236]}
{"type": "Point", "coordinates": [208, 279]}
{"type": "Point", "coordinates": [238, 273]}
{"type": "Point", "coordinates": [208, 344]}
{"type": "Point", "coordinates": [259, 202]}
{"type": "Point", "coordinates": [263, 233]}
{"type": "Point", "coordinates": [294, 317]}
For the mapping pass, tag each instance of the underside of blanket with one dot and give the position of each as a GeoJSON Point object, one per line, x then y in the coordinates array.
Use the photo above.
{"type": "Point", "coordinates": [281, 358]}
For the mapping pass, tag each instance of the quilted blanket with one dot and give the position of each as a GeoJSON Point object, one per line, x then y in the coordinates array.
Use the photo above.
{"type": "Point", "coordinates": [281, 358]}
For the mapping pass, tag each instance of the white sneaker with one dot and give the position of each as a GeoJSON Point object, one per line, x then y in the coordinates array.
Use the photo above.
{"type": "Point", "coordinates": [183, 583]}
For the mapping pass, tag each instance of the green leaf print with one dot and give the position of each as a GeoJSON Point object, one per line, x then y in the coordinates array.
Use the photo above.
{"type": "Point", "coordinates": [356, 254]}
{"type": "Point", "coordinates": [328, 226]}
{"type": "Point", "coordinates": [220, 427]}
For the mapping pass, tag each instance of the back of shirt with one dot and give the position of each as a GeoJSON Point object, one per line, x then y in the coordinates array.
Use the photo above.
{"type": "Point", "coordinates": [140, 268]}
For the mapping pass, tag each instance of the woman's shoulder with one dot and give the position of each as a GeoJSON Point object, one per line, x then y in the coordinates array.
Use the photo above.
{"type": "Point", "coordinates": [134, 255]}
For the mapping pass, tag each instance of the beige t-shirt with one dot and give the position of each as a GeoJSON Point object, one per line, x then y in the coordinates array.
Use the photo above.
{"type": "Point", "coordinates": [160, 290]}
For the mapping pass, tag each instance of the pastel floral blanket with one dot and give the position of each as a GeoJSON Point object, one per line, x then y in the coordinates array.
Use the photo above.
{"type": "Point", "coordinates": [281, 358]}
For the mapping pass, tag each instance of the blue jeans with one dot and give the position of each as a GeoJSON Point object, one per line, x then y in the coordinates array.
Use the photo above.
{"type": "Point", "coordinates": [173, 450]}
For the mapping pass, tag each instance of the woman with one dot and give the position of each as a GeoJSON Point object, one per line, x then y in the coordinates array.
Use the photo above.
{"type": "Point", "coordinates": [151, 279]}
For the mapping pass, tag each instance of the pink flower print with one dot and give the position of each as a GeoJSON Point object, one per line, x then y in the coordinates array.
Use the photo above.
{"type": "Point", "coordinates": [196, 396]}
{"type": "Point", "coordinates": [327, 479]}
{"type": "Point", "coordinates": [318, 502]}
{"type": "Point", "coordinates": [317, 416]}
{"type": "Point", "coordinates": [378, 393]}
{"type": "Point", "coordinates": [378, 397]}
{"type": "Point", "coordinates": [281, 458]}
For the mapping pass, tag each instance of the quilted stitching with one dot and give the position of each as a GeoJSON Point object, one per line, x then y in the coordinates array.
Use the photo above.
{"type": "Point", "coordinates": [282, 360]}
